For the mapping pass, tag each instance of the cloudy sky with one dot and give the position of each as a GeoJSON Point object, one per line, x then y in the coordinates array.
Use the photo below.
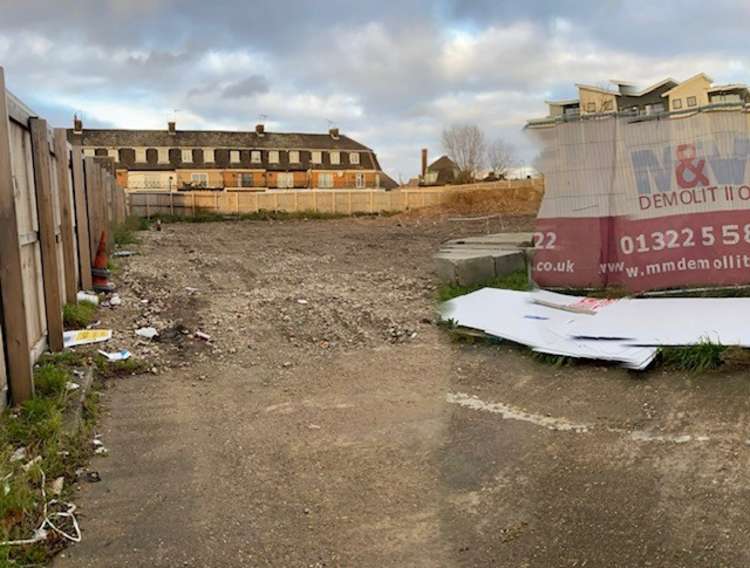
{"type": "Point", "coordinates": [391, 74]}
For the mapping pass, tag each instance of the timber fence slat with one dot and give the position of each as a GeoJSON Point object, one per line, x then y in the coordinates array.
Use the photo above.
{"type": "Point", "coordinates": [50, 268]}
{"type": "Point", "coordinates": [14, 329]}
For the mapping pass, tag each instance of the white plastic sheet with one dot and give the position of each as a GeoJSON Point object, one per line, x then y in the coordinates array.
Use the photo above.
{"type": "Point", "coordinates": [670, 321]}
{"type": "Point", "coordinates": [514, 316]}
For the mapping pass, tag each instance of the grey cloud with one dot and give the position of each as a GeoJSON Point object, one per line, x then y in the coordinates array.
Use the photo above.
{"type": "Point", "coordinates": [252, 85]}
{"type": "Point", "coordinates": [392, 72]}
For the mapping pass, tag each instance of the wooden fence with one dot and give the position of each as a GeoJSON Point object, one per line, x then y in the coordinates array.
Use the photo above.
{"type": "Point", "coordinates": [54, 207]}
{"type": "Point", "coordinates": [236, 202]}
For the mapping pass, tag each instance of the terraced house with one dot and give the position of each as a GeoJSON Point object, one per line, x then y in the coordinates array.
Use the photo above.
{"type": "Point", "coordinates": [177, 160]}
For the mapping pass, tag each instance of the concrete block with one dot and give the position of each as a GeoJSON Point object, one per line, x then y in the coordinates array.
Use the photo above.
{"type": "Point", "coordinates": [501, 240]}
{"type": "Point", "coordinates": [464, 269]}
{"type": "Point", "coordinates": [508, 261]}
{"type": "Point", "coordinates": [468, 266]}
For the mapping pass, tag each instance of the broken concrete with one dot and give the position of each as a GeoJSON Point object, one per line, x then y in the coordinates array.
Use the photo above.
{"type": "Point", "coordinates": [476, 260]}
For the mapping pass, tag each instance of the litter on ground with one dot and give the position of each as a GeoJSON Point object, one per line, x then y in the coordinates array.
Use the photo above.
{"type": "Point", "coordinates": [87, 297]}
{"type": "Point", "coordinates": [86, 336]}
{"type": "Point", "coordinates": [121, 355]}
{"type": "Point", "coordinates": [18, 455]}
{"type": "Point", "coordinates": [120, 253]}
{"type": "Point", "coordinates": [203, 336]}
{"type": "Point", "coordinates": [514, 316]}
{"type": "Point", "coordinates": [147, 332]}
{"type": "Point", "coordinates": [627, 330]}
{"type": "Point", "coordinates": [64, 512]}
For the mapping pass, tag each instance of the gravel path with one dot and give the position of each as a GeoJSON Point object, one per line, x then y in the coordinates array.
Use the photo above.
{"type": "Point", "coordinates": [328, 422]}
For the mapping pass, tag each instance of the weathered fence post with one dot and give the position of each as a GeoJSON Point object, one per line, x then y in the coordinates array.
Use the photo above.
{"type": "Point", "coordinates": [13, 310]}
{"type": "Point", "coordinates": [82, 219]}
{"type": "Point", "coordinates": [50, 270]}
{"type": "Point", "coordinates": [92, 193]}
{"type": "Point", "coordinates": [66, 214]}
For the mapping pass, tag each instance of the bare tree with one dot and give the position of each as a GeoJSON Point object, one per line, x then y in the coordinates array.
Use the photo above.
{"type": "Point", "coordinates": [465, 144]}
{"type": "Point", "coordinates": [501, 156]}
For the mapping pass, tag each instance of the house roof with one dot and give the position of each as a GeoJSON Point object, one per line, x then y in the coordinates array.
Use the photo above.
{"type": "Point", "coordinates": [442, 163]}
{"type": "Point", "coordinates": [696, 76]}
{"type": "Point", "coordinates": [387, 182]}
{"type": "Point", "coordinates": [655, 86]}
{"type": "Point", "coordinates": [213, 139]}
{"type": "Point", "coordinates": [729, 87]}
{"type": "Point", "coordinates": [563, 102]}
{"type": "Point", "coordinates": [596, 89]}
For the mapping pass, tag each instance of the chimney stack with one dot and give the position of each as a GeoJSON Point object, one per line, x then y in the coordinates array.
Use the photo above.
{"type": "Point", "coordinates": [424, 162]}
{"type": "Point", "coordinates": [260, 130]}
{"type": "Point", "coordinates": [172, 127]}
{"type": "Point", "coordinates": [77, 124]}
{"type": "Point", "coordinates": [334, 132]}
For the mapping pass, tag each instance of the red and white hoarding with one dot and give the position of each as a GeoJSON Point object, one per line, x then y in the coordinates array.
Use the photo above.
{"type": "Point", "coordinates": [645, 204]}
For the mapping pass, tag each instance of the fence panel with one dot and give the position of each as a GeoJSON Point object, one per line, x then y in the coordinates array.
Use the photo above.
{"type": "Point", "coordinates": [46, 208]}
{"type": "Point", "coordinates": [16, 370]}
{"type": "Point", "coordinates": [28, 238]}
{"type": "Point", "coordinates": [342, 201]}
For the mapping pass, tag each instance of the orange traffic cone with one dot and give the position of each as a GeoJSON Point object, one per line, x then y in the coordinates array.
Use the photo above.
{"type": "Point", "coordinates": [100, 274]}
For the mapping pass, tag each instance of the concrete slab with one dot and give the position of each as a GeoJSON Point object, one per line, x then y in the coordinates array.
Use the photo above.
{"type": "Point", "coordinates": [474, 260]}
{"type": "Point", "coordinates": [496, 239]}
{"type": "Point", "coordinates": [469, 267]}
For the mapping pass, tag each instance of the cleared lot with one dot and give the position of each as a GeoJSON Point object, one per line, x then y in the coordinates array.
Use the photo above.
{"type": "Point", "coordinates": [328, 423]}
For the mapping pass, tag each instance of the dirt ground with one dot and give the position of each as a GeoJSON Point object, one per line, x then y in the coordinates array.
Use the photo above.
{"type": "Point", "coordinates": [329, 422]}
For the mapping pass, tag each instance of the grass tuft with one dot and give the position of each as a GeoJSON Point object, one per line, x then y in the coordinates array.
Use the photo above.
{"type": "Point", "coordinates": [51, 380]}
{"type": "Point", "coordinates": [696, 358]}
{"type": "Point", "coordinates": [112, 369]}
{"type": "Point", "coordinates": [550, 359]}
{"type": "Point", "coordinates": [77, 316]}
{"type": "Point", "coordinates": [67, 359]}
{"type": "Point", "coordinates": [37, 426]}
{"type": "Point", "coordinates": [517, 280]}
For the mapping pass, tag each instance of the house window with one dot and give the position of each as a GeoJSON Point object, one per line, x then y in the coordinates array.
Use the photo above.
{"type": "Point", "coordinates": [590, 107]}
{"type": "Point", "coordinates": [316, 157]}
{"type": "Point", "coordinates": [359, 181]}
{"type": "Point", "coordinates": [273, 157]}
{"type": "Point", "coordinates": [255, 156]}
{"type": "Point", "coordinates": [245, 180]}
{"type": "Point", "coordinates": [335, 158]}
{"type": "Point", "coordinates": [234, 156]}
{"type": "Point", "coordinates": [692, 101]}
{"type": "Point", "coordinates": [187, 156]}
{"type": "Point", "coordinates": [325, 180]}
{"type": "Point", "coordinates": [354, 158]}
{"type": "Point", "coordinates": [293, 156]}
{"type": "Point", "coordinates": [199, 180]}
{"type": "Point", "coordinates": [677, 104]}
{"type": "Point", "coordinates": [377, 180]}
{"type": "Point", "coordinates": [285, 180]}
{"type": "Point", "coordinates": [607, 106]}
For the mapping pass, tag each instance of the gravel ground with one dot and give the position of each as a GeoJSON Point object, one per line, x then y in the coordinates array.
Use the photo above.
{"type": "Point", "coordinates": [328, 422]}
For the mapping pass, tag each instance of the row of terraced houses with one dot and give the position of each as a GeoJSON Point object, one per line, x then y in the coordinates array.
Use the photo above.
{"type": "Point", "coordinates": [667, 95]}
{"type": "Point", "coordinates": [174, 160]}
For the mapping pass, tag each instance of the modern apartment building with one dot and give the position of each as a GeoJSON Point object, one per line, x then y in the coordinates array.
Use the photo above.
{"type": "Point", "coordinates": [174, 159]}
{"type": "Point", "coordinates": [667, 95]}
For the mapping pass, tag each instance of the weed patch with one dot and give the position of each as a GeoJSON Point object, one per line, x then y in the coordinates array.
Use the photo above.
{"type": "Point", "coordinates": [517, 280]}
{"type": "Point", "coordinates": [77, 316]}
{"type": "Point", "coordinates": [696, 358]}
{"type": "Point", "coordinates": [37, 427]}
{"type": "Point", "coordinates": [111, 369]}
